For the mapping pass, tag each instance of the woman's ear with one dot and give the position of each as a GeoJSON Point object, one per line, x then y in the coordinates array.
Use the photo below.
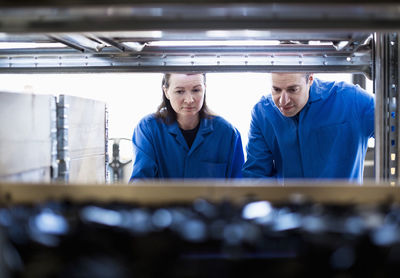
{"type": "Point", "coordinates": [165, 92]}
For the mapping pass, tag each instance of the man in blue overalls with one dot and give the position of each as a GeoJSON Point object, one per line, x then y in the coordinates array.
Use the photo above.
{"type": "Point", "coordinates": [309, 128]}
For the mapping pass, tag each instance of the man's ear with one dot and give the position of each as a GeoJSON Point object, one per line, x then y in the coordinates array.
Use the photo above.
{"type": "Point", "coordinates": [165, 92]}
{"type": "Point", "coordinates": [311, 79]}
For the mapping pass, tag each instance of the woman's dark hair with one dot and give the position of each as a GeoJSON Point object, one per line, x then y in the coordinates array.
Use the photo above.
{"type": "Point", "coordinates": [165, 110]}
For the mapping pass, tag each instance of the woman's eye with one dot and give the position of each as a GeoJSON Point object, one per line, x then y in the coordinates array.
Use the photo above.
{"type": "Point", "coordinates": [179, 92]}
{"type": "Point", "coordinates": [196, 90]}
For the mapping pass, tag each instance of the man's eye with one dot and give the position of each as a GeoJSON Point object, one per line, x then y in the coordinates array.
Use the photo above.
{"type": "Point", "coordinates": [293, 90]}
{"type": "Point", "coordinates": [276, 90]}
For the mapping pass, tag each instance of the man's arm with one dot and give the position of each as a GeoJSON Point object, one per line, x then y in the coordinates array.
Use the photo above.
{"type": "Point", "coordinates": [259, 161]}
{"type": "Point", "coordinates": [366, 106]}
{"type": "Point", "coordinates": [369, 117]}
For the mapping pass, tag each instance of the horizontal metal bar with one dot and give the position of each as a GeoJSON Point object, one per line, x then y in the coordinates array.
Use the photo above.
{"type": "Point", "coordinates": [289, 48]}
{"type": "Point", "coordinates": [192, 50]}
{"type": "Point", "coordinates": [199, 59]}
{"type": "Point", "coordinates": [239, 34]}
{"type": "Point", "coordinates": [193, 35]}
{"type": "Point", "coordinates": [289, 68]}
{"type": "Point", "coordinates": [356, 63]}
{"type": "Point", "coordinates": [283, 16]}
{"type": "Point", "coordinates": [282, 10]}
{"type": "Point", "coordinates": [87, 3]}
{"type": "Point", "coordinates": [99, 24]}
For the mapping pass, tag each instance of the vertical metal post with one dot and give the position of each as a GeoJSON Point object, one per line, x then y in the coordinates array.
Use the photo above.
{"type": "Point", "coordinates": [53, 135]}
{"type": "Point", "coordinates": [387, 111]}
{"type": "Point", "coordinates": [107, 157]}
{"type": "Point", "coordinates": [359, 79]}
{"type": "Point", "coordinates": [62, 140]}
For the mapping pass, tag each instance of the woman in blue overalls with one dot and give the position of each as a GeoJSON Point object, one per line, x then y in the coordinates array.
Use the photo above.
{"type": "Point", "coordinates": [183, 139]}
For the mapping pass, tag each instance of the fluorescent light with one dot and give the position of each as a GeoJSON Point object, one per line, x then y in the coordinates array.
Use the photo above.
{"type": "Point", "coordinates": [13, 45]}
{"type": "Point", "coordinates": [215, 43]}
{"type": "Point", "coordinates": [237, 33]}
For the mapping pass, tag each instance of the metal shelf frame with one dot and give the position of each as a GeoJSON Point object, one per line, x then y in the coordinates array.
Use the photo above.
{"type": "Point", "coordinates": [387, 109]}
{"type": "Point", "coordinates": [81, 16]}
{"type": "Point", "coordinates": [359, 37]}
{"type": "Point", "coordinates": [105, 52]}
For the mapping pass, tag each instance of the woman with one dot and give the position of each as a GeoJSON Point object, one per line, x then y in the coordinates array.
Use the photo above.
{"type": "Point", "coordinates": [183, 139]}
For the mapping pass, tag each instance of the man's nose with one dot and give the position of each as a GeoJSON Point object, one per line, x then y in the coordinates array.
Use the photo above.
{"type": "Point", "coordinates": [284, 99]}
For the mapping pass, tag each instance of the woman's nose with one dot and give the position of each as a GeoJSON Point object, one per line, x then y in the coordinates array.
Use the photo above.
{"type": "Point", "coordinates": [189, 98]}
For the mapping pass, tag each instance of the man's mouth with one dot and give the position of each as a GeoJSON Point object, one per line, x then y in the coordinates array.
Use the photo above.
{"type": "Point", "coordinates": [287, 107]}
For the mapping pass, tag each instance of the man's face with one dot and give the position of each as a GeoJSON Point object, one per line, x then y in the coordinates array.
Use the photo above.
{"type": "Point", "coordinates": [290, 92]}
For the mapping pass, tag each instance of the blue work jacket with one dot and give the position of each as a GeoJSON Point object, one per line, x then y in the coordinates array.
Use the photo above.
{"type": "Point", "coordinates": [161, 151]}
{"type": "Point", "coordinates": [327, 139]}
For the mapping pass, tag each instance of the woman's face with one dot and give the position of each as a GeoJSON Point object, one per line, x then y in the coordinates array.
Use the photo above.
{"type": "Point", "coordinates": [186, 93]}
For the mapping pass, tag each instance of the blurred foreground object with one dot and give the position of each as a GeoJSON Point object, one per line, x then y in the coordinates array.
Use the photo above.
{"type": "Point", "coordinates": [201, 238]}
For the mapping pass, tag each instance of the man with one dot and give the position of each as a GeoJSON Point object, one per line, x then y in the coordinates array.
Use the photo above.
{"type": "Point", "coordinates": [308, 128]}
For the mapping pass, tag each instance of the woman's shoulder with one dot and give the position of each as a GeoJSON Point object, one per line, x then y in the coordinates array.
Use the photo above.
{"type": "Point", "coordinates": [220, 122]}
{"type": "Point", "coordinates": [150, 121]}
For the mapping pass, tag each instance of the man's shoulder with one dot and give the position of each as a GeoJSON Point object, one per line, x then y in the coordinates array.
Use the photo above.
{"type": "Point", "coordinates": [265, 111]}
{"type": "Point", "coordinates": [349, 90]}
{"type": "Point", "coordinates": [343, 88]}
{"type": "Point", "coordinates": [346, 86]}
{"type": "Point", "coordinates": [265, 102]}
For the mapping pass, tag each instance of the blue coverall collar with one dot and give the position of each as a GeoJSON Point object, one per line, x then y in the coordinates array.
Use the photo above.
{"type": "Point", "coordinates": [317, 92]}
{"type": "Point", "coordinates": [206, 126]}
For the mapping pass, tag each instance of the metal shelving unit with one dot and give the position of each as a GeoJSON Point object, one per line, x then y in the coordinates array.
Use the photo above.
{"type": "Point", "coordinates": [261, 36]}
